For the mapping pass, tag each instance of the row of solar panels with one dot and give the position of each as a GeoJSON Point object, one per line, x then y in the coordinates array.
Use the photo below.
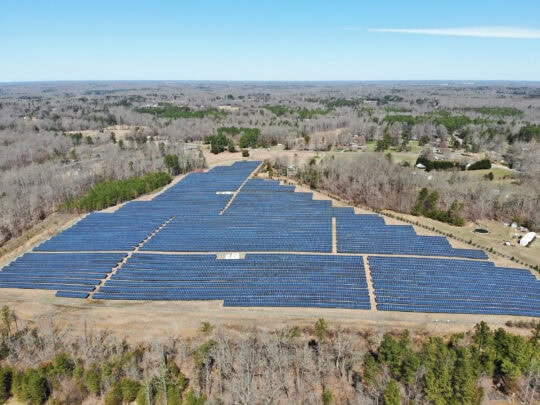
{"type": "Point", "coordinates": [70, 274]}
{"type": "Point", "coordinates": [258, 220]}
{"type": "Point", "coordinates": [400, 283]}
{"type": "Point", "coordinates": [277, 280]}
{"type": "Point", "coordinates": [453, 286]}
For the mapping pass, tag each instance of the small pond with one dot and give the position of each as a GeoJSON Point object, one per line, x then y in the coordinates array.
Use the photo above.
{"type": "Point", "coordinates": [481, 230]}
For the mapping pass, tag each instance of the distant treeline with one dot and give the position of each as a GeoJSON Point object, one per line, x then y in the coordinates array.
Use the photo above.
{"type": "Point", "coordinates": [386, 185]}
{"type": "Point", "coordinates": [112, 192]}
{"type": "Point", "coordinates": [497, 111]}
{"type": "Point", "coordinates": [451, 122]}
{"type": "Point", "coordinates": [165, 110]}
{"type": "Point", "coordinates": [303, 113]}
{"type": "Point", "coordinates": [527, 133]}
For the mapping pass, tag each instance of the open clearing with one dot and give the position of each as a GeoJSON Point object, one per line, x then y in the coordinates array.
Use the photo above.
{"type": "Point", "coordinates": [139, 321]}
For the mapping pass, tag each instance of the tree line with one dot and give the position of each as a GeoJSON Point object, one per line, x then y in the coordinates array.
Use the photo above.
{"type": "Point", "coordinates": [451, 165]}
{"type": "Point", "coordinates": [112, 192]}
{"type": "Point", "coordinates": [321, 364]}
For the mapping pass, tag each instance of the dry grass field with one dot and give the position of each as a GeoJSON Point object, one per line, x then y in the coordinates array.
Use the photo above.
{"type": "Point", "coordinates": [138, 321]}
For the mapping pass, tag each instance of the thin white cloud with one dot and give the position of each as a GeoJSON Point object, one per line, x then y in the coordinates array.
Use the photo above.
{"type": "Point", "coordinates": [483, 32]}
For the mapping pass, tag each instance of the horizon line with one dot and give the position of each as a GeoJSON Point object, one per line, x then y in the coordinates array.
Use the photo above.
{"type": "Point", "coordinates": [463, 81]}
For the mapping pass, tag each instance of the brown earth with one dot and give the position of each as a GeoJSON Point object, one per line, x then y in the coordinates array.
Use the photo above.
{"type": "Point", "coordinates": [139, 321]}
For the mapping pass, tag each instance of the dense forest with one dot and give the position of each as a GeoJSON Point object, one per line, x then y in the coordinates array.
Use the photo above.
{"type": "Point", "coordinates": [42, 361]}
{"type": "Point", "coordinates": [59, 140]}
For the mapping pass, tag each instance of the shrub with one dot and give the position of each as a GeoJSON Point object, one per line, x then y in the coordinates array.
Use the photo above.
{"type": "Point", "coordinates": [63, 365]}
{"type": "Point", "coordinates": [321, 328]}
{"type": "Point", "coordinates": [6, 378]}
{"type": "Point", "coordinates": [114, 396]}
{"type": "Point", "coordinates": [130, 388]}
{"type": "Point", "coordinates": [92, 380]}
{"type": "Point", "coordinates": [245, 153]}
{"type": "Point", "coordinates": [173, 395]}
{"type": "Point", "coordinates": [439, 164]}
{"type": "Point", "coordinates": [426, 205]}
{"type": "Point", "coordinates": [391, 393]}
{"type": "Point", "coordinates": [218, 143]}
{"type": "Point", "coordinates": [489, 176]}
{"type": "Point", "coordinates": [327, 397]}
{"type": "Point", "coordinates": [30, 386]}
{"type": "Point", "coordinates": [142, 397]}
{"type": "Point", "coordinates": [206, 327]}
{"type": "Point", "coordinates": [250, 137]}
{"type": "Point", "coordinates": [480, 165]}
{"type": "Point", "coordinates": [190, 398]}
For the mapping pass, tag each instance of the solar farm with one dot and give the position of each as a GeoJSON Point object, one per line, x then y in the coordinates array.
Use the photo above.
{"type": "Point", "coordinates": [249, 242]}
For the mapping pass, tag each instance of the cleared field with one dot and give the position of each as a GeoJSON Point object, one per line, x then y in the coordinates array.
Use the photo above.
{"type": "Point", "coordinates": [221, 236]}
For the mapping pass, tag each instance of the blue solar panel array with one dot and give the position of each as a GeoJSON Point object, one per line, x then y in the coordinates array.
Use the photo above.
{"type": "Point", "coordinates": [258, 280]}
{"type": "Point", "coordinates": [195, 196]}
{"type": "Point", "coordinates": [453, 286]}
{"type": "Point", "coordinates": [265, 216]}
{"type": "Point", "coordinates": [122, 230]}
{"type": "Point", "coordinates": [71, 274]}
{"type": "Point", "coordinates": [369, 234]}
{"type": "Point", "coordinates": [255, 221]}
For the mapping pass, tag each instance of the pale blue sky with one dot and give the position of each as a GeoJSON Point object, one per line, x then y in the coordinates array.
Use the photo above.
{"type": "Point", "coordinates": [269, 40]}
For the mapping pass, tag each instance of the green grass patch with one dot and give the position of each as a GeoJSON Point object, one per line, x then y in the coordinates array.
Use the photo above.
{"type": "Point", "coordinates": [401, 157]}
{"type": "Point", "coordinates": [415, 148]}
{"type": "Point", "coordinates": [498, 173]}
{"type": "Point", "coordinates": [371, 146]}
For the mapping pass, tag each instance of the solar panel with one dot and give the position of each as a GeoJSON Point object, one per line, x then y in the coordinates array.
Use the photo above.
{"type": "Point", "coordinates": [257, 280]}
{"type": "Point", "coordinates": [222, 211]}
{"type": "Point", "coordinates": [453, 286]}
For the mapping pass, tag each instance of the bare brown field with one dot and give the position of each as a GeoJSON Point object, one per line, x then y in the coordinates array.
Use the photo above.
{"type": "Point", "coordinates": [120, 131]}
{"type": "Point", "coordinates": [138, 321]}
{"type": "Point", "coordinates": [296, 157]}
